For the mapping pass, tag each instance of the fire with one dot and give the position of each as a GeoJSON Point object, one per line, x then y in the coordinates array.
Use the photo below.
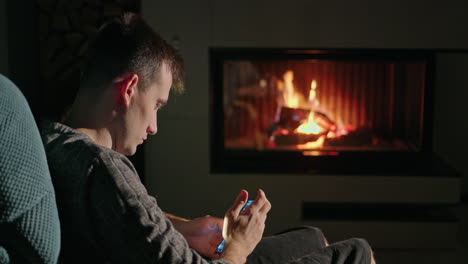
{"type": "Point", "coordinates": [309, 127]}
{"type": "Point", "coordinates": [313, 93]}
{"type": "Point", "coordinates": [294, 107]}
{"type": "Point", "coordinates": [293, 102]}
{"type": "Point", "coordinates": [312, 145]}
{"type": "Point", "coordinates": [290, 96]}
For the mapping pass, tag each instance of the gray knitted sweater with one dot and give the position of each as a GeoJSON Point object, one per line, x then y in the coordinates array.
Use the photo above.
{"type": "Point", "coordinates": [105, 212]}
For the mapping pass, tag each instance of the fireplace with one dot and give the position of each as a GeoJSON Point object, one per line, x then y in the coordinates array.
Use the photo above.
{"type": "Point", "coordinates": [321, 111]}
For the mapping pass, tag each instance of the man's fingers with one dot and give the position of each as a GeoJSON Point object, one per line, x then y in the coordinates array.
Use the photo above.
{"type": "Point", "coordinates": [259, 201]}
{"type": "Point", "coordinates": [239, 203]}
{"type": "Point", "coordinates": [265, 208]}
{"type": "Point", "coordinates": [260, 204]}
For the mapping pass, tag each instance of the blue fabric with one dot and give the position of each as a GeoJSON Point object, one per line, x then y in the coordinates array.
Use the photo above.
{"type": "Point", "coordinates": [4, 258]}
{"type": "Point", "coordinates": [29, 224]}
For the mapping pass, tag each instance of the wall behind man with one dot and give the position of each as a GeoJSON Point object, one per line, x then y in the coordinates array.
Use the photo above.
{"type": "Point", "coordinates": [21, 39]}
{"type": "Point", "coordinates": [177, 158]}
{"type": "Point", "coordinates": [3, 39]}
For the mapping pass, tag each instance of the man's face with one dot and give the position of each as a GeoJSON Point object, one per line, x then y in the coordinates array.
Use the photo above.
{"type": "Point", "coordinates": [141, 117]}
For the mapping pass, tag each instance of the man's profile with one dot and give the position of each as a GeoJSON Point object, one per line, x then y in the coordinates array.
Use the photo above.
{"type": "Point", "coordinates": [106, 213]}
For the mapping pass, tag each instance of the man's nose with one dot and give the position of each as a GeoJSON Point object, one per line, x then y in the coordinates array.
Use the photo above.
{"type": "Point", "coordinates": [152, 129]}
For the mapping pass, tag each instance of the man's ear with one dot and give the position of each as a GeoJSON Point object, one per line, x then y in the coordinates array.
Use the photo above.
{"type": "Point", "coordinates": [125, 88]}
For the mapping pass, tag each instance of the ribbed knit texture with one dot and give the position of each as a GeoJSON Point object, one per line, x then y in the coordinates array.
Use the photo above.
{"type": "Point", "coordinates": [29, 224]}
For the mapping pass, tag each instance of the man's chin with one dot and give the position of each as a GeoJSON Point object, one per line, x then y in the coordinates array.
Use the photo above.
{"type": "Point", "coordinates": [129, 151]}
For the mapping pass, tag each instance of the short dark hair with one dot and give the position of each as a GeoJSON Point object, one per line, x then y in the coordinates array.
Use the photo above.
{"type": "Point", "coordinates": [128, 44]}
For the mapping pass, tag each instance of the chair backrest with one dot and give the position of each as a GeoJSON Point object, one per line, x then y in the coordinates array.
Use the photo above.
{"type": "Point", "coordinates": [29, 224]}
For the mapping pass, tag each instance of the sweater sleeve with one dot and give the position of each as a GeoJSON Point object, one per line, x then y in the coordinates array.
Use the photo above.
{"type": "Point", "coordinates": [127, 221]}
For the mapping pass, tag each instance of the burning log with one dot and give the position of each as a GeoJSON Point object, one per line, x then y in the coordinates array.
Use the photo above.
{"type": "Point", "coordinates": [289, 129]}
{"type": "Point", "coordinates": [295, 139]}
{"type": "Point", "coordinates": [291, 118]}
{"type": "Point", "coordinates": [324, 121]}
{"type": "Point", "coordinates": [359, 137]}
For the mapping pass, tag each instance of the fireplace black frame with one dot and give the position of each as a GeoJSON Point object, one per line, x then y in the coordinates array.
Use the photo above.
{"type": "Point", "coordinates": [422, 162]}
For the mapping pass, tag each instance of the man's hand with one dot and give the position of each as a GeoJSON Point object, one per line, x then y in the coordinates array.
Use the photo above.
{"type": "Point", "coordinates": [202, 234]}
{"type": "Point", "coordinates": [243, 231]}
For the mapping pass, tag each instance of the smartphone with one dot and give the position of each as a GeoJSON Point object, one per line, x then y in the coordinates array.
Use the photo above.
{"type": "Point", "coordinates": [220, 247]}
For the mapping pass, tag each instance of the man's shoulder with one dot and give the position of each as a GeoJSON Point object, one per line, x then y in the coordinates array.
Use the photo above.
{"type": "Point", "coordinates": [69, 147]}
{"type": "Point", "coordinates": [58, 137]}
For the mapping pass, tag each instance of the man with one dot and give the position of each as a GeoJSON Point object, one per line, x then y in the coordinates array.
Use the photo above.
{"type": "Point", "coordinates": [106, 213]}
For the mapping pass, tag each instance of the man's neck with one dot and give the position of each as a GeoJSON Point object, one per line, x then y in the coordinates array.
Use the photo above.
{"type": "Point", "coordinates": [88, 121]}
{"type": "Point", "coordinates": [101, 137]}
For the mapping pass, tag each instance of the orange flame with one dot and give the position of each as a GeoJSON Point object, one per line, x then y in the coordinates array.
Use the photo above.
{"type": "Point", "coordinates": [312, 92]}
{"type": "Point", "coordinates": [310, 127]}
{"type": "Point", "coordinates": [312, 145]}
{"type": "Point", "coordinates": [291, 98]}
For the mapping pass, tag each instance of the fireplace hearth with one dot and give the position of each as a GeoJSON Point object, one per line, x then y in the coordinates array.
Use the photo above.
{"type": "Point", "coordinates": [341, 111]}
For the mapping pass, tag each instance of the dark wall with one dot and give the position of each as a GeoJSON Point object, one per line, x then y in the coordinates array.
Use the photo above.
{"type": "Point", "coordinates": [180, 151]}
{"type": "Point", "coordinates": [24, 32]}
{"type": "Point", "coordinates": [3, 39]}
{"type": "Point", "coordinates": [22, 50]}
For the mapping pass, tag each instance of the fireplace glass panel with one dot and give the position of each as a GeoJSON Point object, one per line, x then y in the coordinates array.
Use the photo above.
{"type": "Point", "coordinates": [323, 105]}
{"type": "Point", "coordinates": [323, 110]}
